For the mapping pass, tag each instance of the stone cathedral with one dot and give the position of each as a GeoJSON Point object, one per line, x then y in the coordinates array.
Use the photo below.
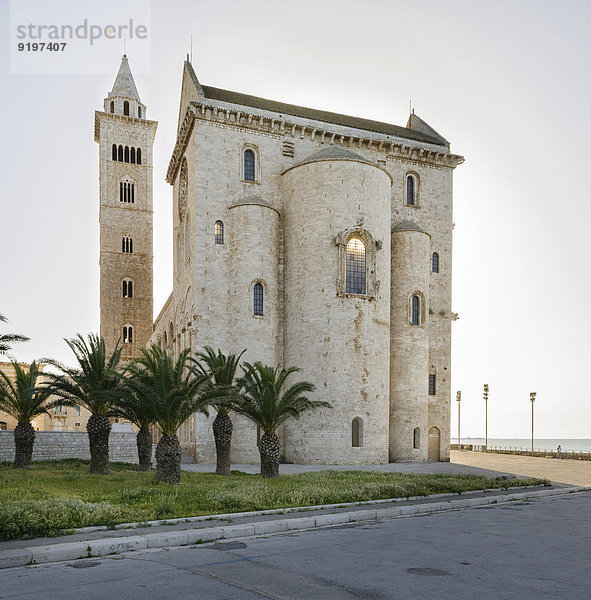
{"type": "Point", "coordinates": [310, 238]}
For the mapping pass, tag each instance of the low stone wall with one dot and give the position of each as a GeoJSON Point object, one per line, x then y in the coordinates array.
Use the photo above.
{"type": "Point", "coordinates": [55, 445]}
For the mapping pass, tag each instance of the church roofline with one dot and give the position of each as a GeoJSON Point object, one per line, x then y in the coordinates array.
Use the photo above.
{"type": "Point", "coordinates": [324, 116]}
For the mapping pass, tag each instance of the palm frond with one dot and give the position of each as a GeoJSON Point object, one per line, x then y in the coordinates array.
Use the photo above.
{"type": "Point", "coordinates": [173, 390]}
{"type": "Point", "coordinates": [21, 396]}
{"type": "Point", "coordinates": [94, 383]}
{"type": "Point", "coordinates": [263, 400]}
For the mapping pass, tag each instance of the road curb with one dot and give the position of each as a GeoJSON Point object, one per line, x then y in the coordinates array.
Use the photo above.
{"type": "Point", "coordinates": [103, 547]}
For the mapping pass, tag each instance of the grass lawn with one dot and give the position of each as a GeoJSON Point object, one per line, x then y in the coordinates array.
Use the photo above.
{"type": "Point", "coordinates": [50, 498]}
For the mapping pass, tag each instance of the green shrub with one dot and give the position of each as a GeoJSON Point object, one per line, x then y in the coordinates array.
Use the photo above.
{"type": "Point", "coordinates": [38, 518]}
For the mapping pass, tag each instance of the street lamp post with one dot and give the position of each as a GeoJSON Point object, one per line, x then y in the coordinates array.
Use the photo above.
{"type": "Point", "coordinates": [459, 400]}
{"type": "Point", "coordinates": [532, 398]}
{"type": "Point", "coordinates": [486, 417]}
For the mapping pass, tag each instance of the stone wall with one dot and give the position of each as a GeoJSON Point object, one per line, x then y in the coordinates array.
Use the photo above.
{"type": "Point", "coordinates": [55, 445]}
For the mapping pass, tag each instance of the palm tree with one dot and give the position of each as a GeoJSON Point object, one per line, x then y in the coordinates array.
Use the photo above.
{"type": "Point", "coordinates": [7, 339]}
{"type": "Point", "coordinates": [174, 391]}
{"type": "Point", "coordinates": [222, 371]}
{"type": "Point", "coordinates": [24, 400]}
{"type": "Point", "coordinates": [93, 384]}
{"type": "Point", "coordinates": [264, 403]}
{"type": "Point", "coordinates": [133, 408]}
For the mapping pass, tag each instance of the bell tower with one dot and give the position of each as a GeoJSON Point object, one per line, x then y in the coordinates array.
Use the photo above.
{"type": "Point", "coordinates": [125, 138]}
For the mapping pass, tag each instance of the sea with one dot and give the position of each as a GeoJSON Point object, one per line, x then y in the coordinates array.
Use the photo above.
{"type": "Point", "coordinates": [568, 445]}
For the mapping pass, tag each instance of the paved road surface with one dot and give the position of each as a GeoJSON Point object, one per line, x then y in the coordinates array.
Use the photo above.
{"type": "Point", "coordinates": [528, 551]}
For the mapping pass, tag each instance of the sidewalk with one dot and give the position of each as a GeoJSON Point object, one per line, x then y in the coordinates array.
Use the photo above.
{"type": "Point", "coordinates": [570, 472]}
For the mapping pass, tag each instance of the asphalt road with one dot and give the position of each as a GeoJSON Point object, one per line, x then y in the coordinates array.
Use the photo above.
{"type": "Point", "coordinates": [531, 550]}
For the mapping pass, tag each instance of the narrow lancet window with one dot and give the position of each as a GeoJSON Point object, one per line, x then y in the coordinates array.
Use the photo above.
{"type": "Point", "coordinates": [410, 190]}
{"type": "Point", "coordinates": [258, 299]}
{"type": "Point", "coordinates": [435, 263]}
{"type": "Point", "coordinates": [219, 233]}
{"type": "Point", "coordinates": [357, 432]}
{"type": "Point", "coordinates": [355, 267]}
{"type": "Point", "coordinates": [415, 311]}
{"type": "Point", "coordinates": [127, 334]}
{"type": "Point", "coordinates": [126, 108]}
{"type": "Point", "coordinates": [127, 154]}
{"type": "Point", "coordinates": [139, 112]}
{"type": "Point", "coordinates": [249, 165]}
{"type": "Point", "coordinates": [120, 154]}
{"type": "Point", "coordinates": [416, 438]}
{"type": "Point", "coordinates": [127, 244]}
{"type": "Point", "coordinates": [127, 288]}
{"type": "Point", "coordinates": [114, 155]}
{"type": "Point", "coordinates": [432, 389]}
{"type": "Point", "coordinates": [138, 156]}
{"type": "Point", "coordinates": [132, 157]}
{"type": "Point", "coordinates": [112, 106]}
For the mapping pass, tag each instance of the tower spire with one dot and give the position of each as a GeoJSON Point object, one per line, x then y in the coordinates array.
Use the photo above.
{"type": "Point", "coordinates": [124, 98]}
{"type": "Point", "coordinates": [124, 85]}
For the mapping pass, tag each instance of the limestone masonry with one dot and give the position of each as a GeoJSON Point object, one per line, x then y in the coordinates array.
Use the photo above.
{"type": "Point", "coordinates": [312, 239]}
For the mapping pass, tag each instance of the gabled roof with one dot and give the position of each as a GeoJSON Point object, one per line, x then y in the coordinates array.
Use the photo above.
{"type": "Point", "coordinates": [324, 116]}
{"type": "Point", "coordinates": [124, 85]}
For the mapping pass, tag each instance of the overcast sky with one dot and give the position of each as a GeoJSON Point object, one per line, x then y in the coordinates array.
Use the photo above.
{"type": "Point", "coordinates": [508, 82]}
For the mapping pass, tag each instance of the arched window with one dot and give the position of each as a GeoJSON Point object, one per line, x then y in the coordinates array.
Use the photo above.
{"type": "Point", "coordinates": [219, 232]}
{"type": "Point", "coordinates": [127, 288]}
{"type": "Point", "coordinates": [355, 267]}
{"type": "Point", "coordinates": [126, 192]}
{"type": "Point", "coordinates": [127, 334]}
{"type": "Point", "coordinates": [249, 165]}
{"type": "Point", "coordinates": [138, 156]}
{"type": "Point", "coordinates": [410, 190]}
{"type": "Point", "coordinates": [127, 244]}
{"type": "Point", "coordinates": [416, 438]}
{"type": "Point", "coordinates": [114, 156]}
{"type": "Point", "coordinates": [126, 108]}
{"type": "Point", "coordinates": [435, 262]}
{"type": "Point", "coordinates": [120, 154]}
{"type": "Point", "coordinates": [126, 153]}
{"type": "Point", "coordinates": [139, 112]}
{"type": "Point", "coordinates": [132, 155]}
{"type": "Point", "coordinates": [357, 432]}
{"type": "Point", "coordinates": [112, 106]}
{"type": "Point", "coordinates": [415, 318]}
{"type": "Point", "coordinates": [258, 299]}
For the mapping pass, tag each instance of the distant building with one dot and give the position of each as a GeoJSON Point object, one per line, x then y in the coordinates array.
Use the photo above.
{"type": "Point", "coordinates": [61, 418]}
{"type": "Point", "coordinates": [310, 238]}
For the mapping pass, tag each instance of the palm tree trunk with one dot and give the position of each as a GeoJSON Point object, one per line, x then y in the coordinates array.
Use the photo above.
{"type": "Point", "coordinates": [270, 450]}
{"type": "Point", "coordinates": [99, 428]}
{"type": "Point", "coordinates": [144, 449]}
{"type": "Point", "coordinates": [24, 438]}
{"type": "Point", "coordinates": [222, 433]}
{"type": "Point", "coordinates": [168, 459]}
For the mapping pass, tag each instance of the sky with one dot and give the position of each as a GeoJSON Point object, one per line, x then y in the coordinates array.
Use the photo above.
{"type": "Point", "coordinates": [507, 82]}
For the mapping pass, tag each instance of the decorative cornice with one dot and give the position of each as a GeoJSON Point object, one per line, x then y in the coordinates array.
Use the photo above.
{"type": "Point", "coordinates": [99, 114]}
{"type": "Point", "coordinates": [269, 125]}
